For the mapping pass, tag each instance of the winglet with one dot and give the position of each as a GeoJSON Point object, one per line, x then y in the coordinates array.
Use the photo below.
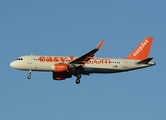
{"type": "Point", "coordinates": [141, 52]}
{"type": "Point", "coordinates": [100, 44]}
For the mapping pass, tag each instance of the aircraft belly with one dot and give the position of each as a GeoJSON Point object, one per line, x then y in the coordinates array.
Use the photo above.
{"type": "Point", "coordinates": [103, 69]}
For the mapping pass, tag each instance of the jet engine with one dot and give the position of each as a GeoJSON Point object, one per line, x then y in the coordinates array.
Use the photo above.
{"type": "Point", "coordinates": [60, 67]}
{"type": "Point", "coordinates": [60, 71]}
{"type": "Point", "coordinates": [60, 76]}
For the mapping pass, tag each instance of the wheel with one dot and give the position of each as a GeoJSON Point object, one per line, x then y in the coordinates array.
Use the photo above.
{"type": "Point", "coordinates": [29, 77]}
{"type": "Point", "coordinates": [79, 76]}
{"type": "Point", "coordinates": [77, 81]}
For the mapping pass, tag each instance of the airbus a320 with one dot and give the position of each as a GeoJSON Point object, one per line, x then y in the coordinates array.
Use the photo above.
{"type": "Point", "coordinates": [63, 67]}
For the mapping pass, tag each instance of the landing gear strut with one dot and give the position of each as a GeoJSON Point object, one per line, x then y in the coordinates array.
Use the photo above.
{"type": "Point", "coordinates": [29, 74]}
{"type": "Point", "coordinates": [78, 78]}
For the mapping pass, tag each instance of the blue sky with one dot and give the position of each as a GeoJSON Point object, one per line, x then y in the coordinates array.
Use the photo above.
{"type": "Point", "coordinates": [78, 26]}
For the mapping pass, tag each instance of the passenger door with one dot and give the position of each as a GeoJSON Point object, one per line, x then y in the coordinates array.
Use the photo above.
{"type": "Point", "coordinates": [29, 60]}
{"type": "Point", "coordinates": [125, 62]}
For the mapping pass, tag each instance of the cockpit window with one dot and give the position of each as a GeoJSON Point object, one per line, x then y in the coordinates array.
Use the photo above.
{"type": "Point", "coordinates": [20, 59]}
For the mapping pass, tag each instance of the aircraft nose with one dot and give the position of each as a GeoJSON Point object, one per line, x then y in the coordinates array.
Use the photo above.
{"type": "Point", "coordinates": [12, 64]}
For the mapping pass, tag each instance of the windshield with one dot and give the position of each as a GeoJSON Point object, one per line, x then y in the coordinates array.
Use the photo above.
{"type": "Point", "coordinates": [19, 59]}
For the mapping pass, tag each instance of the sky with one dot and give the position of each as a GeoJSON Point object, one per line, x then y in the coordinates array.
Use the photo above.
{"type": "Point", "coordinates": [63, 27]}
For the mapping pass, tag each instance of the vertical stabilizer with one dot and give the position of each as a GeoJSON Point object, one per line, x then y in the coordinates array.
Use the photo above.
{"type": "Point", "coordinates": [142, 50]}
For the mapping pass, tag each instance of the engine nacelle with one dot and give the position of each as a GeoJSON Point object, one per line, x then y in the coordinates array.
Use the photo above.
{"type": "Point", "coordinates": [60, 76]}
{"type": "Point", "coordinates": [60, 67]}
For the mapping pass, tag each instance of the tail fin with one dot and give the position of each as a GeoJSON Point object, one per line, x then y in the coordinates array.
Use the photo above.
{"type": "Point", "coordinates": [141, 52]}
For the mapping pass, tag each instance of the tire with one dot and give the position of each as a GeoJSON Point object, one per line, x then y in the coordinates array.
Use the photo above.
{"type": "Point", "coordinates": [77, 81]}
{"type": "Point", "coordinates": [29, 77]}
{"type": "Point", "coordinates": [79, 76]}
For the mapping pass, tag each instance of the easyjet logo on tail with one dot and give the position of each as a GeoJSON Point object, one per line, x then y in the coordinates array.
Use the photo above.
{"type": "Point", "coordinates": [141, 47]}
{"type": "Point", "coordinates": [142, 50]}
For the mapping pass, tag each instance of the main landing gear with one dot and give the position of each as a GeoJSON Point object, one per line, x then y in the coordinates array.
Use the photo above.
{"type": "Point", "coordinates": [78, 78]}
{"type": "Point", "coordinates": [29, 74]}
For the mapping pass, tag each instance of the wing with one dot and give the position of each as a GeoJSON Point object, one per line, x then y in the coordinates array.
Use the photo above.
{"type": "Point", "coordinates": [87, 56]}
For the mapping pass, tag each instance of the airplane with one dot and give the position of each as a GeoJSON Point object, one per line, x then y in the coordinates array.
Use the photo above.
{"type": "Point", "coordinates": [63, 67]}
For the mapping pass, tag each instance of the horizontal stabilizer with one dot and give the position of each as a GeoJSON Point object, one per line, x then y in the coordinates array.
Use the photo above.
{"type": "Point", "coordinates": [145, 61]}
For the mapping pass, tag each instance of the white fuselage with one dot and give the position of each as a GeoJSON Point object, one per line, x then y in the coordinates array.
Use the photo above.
{"type": "Point", "coordinates": [94, 65]}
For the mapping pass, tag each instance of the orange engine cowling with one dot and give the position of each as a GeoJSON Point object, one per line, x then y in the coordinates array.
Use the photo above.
{"type": "Point", "coordinates": [60, 76]}
{"type": "Point", "coordinates": [60, 67]}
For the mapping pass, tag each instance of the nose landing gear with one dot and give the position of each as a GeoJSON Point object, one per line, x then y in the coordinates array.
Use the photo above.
{"type": "Point", "coordinates": [78, 78]}
{"type": "Point", "coordinates": [29, 74]}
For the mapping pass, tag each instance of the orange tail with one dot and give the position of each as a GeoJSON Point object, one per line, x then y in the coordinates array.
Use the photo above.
{"type": "Point", "coordinates": [142, 50]}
